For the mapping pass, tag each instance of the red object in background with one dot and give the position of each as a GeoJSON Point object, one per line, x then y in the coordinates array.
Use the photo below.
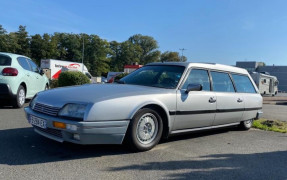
{"type": "Point", "coordinates": [10, 72]}
{"type": "Point", "coordinates": [133, 66]}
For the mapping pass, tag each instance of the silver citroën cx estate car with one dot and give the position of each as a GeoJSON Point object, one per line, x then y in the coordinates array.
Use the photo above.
{"type": "Point", "coordinates": [153, 102]}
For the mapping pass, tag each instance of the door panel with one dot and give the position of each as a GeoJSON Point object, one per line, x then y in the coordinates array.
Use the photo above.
{"type": "Point", "coordinates": [230, 108]}
{"type": "Point", "coordinates": [194, 109]}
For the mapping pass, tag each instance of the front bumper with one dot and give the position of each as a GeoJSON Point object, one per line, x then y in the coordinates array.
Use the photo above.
{"type": "Point", "coordinates": [98, 132]}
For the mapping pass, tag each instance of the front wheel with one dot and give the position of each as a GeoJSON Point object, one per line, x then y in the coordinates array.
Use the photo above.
{"type": "Point", "coordinates": [20, 97]}
{"type": "Point", "coordinates": [145, 130]}
{"type": "Point", "coordinates": [246, 125]}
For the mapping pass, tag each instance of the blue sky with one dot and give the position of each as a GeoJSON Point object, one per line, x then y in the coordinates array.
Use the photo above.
{"type": "Point", "coordinates": [220, 31]}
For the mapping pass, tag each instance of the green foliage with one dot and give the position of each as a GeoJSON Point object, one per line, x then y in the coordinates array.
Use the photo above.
{"type": "Point", "coordinates": [54, 83]}
{"type": "Point", "coordinates": [270, 125]}
{"type": "Point", "coordinates": [100, 56]}
{"type": "Point", "coordinates": [71, 78]}
{"type": "Point", "coordinates": [120, 76]}
{"type": "Point", "coordinates": [23, 41]}
{"type": "Point", "coordinates": [146, 48]}
{"type": "Point", "coordinates": [169, 56]}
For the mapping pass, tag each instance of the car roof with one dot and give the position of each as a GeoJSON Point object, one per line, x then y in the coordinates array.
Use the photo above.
{"type": "Point", "coordinates": [211, 66]}
{"type": "Point", "coordinates": [12, 54]}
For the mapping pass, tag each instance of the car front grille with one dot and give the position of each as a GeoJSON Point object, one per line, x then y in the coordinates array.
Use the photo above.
{"type": "Point", "coordinates": [53, 132]}
{"type": "Point", "coordinates": [45, 109]}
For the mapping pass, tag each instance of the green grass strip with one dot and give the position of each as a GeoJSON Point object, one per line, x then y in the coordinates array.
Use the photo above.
{"type": "Point", "coordinates": [270, 125]}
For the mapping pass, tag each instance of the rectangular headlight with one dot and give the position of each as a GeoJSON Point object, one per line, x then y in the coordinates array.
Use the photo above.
{"type": "Point", "coordinates": [73, 111]}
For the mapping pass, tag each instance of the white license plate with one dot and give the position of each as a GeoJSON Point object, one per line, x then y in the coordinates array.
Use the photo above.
{"type": "Point", "coordinates": [42, 123]}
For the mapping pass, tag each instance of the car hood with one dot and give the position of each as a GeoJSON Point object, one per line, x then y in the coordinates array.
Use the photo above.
{"type": "Point", "coordinates": [94, 93]}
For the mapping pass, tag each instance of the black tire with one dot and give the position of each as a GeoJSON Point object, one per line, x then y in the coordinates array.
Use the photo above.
{"type": "Point", "coordinates": [246, 125]}
{"type": "Point", "coordinates": [18, 102]}
{"type": "Point", "coordinates": [132, 137]}
{"type": "Point", "coordinates": [46, 88]}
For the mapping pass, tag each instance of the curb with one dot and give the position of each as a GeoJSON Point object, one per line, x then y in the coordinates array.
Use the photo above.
{"type": "Point", "coordinates": [274, 103]}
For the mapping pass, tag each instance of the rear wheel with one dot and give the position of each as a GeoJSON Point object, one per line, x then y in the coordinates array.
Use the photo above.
{"type": "Point", "coordinates": [145, 130]}
{"type": "Point", "coordinates": [246, 125]}
{"type": "Point", "coordinates": [20, 97]}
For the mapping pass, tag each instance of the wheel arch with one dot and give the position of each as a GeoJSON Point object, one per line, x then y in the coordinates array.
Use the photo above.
{"type": "Point", "coordinates": [24, 86]}
{"type": "Point", "coordinates": [163, 112]}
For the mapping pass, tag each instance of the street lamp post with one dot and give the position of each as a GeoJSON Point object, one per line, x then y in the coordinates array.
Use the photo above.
{"type": "Point", "coordinates": [181, 59]}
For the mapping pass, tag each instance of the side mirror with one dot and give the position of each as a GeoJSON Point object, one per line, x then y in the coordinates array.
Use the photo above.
{"type": "Point", "coordinates": [41, 72]}
{"type": "Point", "coordinates": [193, 87]}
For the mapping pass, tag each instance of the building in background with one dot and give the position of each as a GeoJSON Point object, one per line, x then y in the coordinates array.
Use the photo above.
{"type": "Point", "coordinates": [279, 71]}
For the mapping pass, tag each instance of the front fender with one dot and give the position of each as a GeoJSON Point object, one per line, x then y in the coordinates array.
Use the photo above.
{"type": "Point", "coordinates": [120, 108]}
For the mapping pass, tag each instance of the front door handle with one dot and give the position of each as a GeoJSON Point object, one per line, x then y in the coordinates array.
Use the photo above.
{"type": "Point", "coordinates": [239, 100]}
{"type": "Point", "coordinates": [212, 100]}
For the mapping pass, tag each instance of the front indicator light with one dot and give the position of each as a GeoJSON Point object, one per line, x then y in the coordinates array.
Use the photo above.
{"type": "Point", "coordinates": [59, 125]}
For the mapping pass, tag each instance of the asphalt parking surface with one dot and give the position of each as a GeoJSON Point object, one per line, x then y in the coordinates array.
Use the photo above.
{"type": "Point", "coordinates": [220, 154]}
{"type": "Point", "coordinates": [274, 112]}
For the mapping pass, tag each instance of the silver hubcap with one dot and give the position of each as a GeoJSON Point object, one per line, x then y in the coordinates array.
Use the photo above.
{"type": "Point", "coordinates": [147, 128]}
{"type": "Point", "coordinates": [248, 123]}
{"type": "Point", "coordinates": [21, 97]}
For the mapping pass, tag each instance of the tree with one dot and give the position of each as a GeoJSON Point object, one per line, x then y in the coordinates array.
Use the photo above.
{"type": "Point", "coordinates": [3, 40]}
{"type": "Point", "coordinates": [97, 50]}
{"type": "Point", "coordinates": [169, 56]}
{"type": "Point", "coordinates": [146, 46]}
{"type": "Point", "coordinates": [37, 48]}
{"type": "Point", "coordinates": [23, 41]}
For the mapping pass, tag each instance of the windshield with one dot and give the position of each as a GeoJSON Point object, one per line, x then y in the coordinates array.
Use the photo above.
{"type": "Point", "coordinates": [5, 61]}
{"type": "Point", "coordinates": [155, 76]}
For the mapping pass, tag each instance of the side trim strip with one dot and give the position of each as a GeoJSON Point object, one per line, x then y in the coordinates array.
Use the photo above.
{"type": "Point", "coordinates": [212, 111]}
{"type": "Point", "coordinates": [203, 128]}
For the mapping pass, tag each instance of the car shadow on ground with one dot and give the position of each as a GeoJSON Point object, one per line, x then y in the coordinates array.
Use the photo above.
{"type": "Point", "coordinates": [269, 165]}
{"type": "Point", "coordinates": [23, 146]}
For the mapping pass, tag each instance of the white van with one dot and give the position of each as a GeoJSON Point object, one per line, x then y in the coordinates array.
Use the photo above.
{"type": "Point", "coordinates": [53, 68]}
{"type": "Point", "coordinates": [267, 84]}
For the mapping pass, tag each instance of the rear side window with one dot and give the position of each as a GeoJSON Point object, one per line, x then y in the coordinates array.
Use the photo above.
{"type": "Point", "coordinates": [221, 82]}
{"type": "Point", "coordinates": [34, 66]}
{"type": "Point", "coordinates": [198, 76]}
{"type": "Point", "coordinates": [23, 62]}
{"type": "Point", "coordinates": [243, 84]}
{"type": "Point", "coordinates": [5, 60]}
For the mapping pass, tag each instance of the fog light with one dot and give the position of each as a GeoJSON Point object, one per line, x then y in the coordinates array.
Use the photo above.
{"type": "Point", "coordinates": [59, 125]}
{"type": "Point", "coordinates": [77, 136]}
{"type": "Point", "coordinates": [71, 127]}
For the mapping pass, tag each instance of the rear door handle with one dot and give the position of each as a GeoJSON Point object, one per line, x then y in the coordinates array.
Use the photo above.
{"type": "Point", "coordinates": [239, 100]}
{"type": "Point", "coordinates": [212, 100]}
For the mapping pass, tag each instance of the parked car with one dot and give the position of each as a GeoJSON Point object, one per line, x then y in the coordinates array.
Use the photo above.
{"type": "Point", "coordinates": [20, 78]}
{"type": "Point", "coordinates": [153, 102]}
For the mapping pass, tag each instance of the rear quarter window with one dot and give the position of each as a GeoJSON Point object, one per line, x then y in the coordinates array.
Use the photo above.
{"type": "Point", "coordinates": [5, 60]}
{"type": "Point", "coordinates": [243, 84]}
{"type": "Point", "coordinates": [23, 63]}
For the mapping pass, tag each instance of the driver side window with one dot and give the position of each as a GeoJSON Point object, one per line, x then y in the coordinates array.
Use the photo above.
{"type": "Point", "coordinates": [198, 76]}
